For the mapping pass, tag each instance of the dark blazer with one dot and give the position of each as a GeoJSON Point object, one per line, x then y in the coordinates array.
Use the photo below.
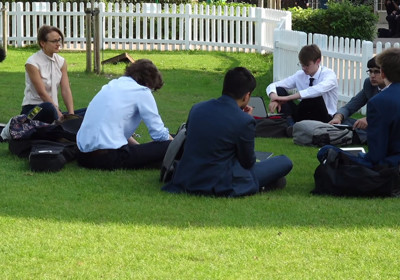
{"type": "Point", "coordinates": [359, 100]}
{"type": "Point", "coordinates": [383, 117]}
{"type": "Point", "coordinates": [219, 151]}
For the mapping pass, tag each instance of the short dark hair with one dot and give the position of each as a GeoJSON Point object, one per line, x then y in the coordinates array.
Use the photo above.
{"type": "Point", "coordinates": [237, 82]}
{"type": "Point", "coordinates": [45, 30]}
{"type": "Point", "coordinates": [145, 73]}
{"type": "Point", "coordinates": [389, 62]}
{"type": "Point", "coordinates": [309, 53]}
{"type": "Point", "coordinates": [372, 63]}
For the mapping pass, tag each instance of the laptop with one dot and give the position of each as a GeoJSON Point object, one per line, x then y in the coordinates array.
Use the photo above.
{"type": "Point", "coordinates": [260, 156]}
{"type": "Point", "coordinates": [354, 150]}
{"type": "Point", "coordinates": [259, 109]}
{"type": "Point", "coordinates": [343, 126]}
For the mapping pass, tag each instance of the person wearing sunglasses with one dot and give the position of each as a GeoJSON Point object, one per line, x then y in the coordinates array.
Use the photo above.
{"type": "Point", "coordinates": [372, 85]}
{"type": "Point", "coordinates": [46, 73]}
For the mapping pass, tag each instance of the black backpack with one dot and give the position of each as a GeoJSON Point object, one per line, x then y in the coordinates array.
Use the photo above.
{"type": "Point", "coordinates": [48, 147]}
{"type": "Point", "coordinates": [173, 155]}
{"type": "Point", "coordinates": [338, 175]}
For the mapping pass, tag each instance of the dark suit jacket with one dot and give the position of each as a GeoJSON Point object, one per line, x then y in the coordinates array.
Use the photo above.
{"type": "Point", "coordinates": [359, 100]}
{"type": "Point", "coordinates": [383, 117]}
{"type": "Point", "coordinates": [219, 151]}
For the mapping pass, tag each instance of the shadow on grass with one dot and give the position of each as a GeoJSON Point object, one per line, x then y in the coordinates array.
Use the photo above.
{"type": "Point", "coordinates": [134, 197]}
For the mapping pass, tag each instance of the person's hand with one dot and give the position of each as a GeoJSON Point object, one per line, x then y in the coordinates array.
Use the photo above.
{"type": "Point", "coordinates": [132, 141]}
{"type": "Point", "coordinates": [361, 123]}
{"type": "Point", "coordinates": [337, 119]}
{"type": "Point", "coordinates": [60, 115]}
{"type": "Point", "coordinates": [274, 105]}
{"type": "Point", "coordinates": [274, 97]}
{"type": "Point", "coordinates": [280, 99]}
{"type": "Point", "coordinates": [248, 109]}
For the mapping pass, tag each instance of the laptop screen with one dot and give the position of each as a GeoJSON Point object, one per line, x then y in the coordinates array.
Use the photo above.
{"type": "Point", "coordinates": [258, 105]}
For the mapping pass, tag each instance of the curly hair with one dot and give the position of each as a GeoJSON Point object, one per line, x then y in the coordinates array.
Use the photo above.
{"type": "Point", "coordinates": [145, 73]}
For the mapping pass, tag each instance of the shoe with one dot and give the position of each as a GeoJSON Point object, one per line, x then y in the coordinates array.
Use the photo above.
{"type": "Point", "coordinates": [289, 131]}
{"type": "Point", "coordinates": [277, 185]}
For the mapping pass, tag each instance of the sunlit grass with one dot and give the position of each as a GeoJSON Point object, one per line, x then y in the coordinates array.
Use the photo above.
{"type": "Point", "coordinates": [89, 224]}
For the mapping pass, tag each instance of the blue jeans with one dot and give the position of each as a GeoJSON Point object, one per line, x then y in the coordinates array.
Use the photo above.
{"type": "Point", "coordinates": [271, 169]}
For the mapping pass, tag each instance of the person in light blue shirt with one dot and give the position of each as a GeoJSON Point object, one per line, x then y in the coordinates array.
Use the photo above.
{"type": "Point", "coordinates": [105, 137]}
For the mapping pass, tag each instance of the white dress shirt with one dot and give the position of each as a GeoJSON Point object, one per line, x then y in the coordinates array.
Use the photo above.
{"type": "Point", "coordinates": [50, 72]}
{"type": "Point", "coordinates": [325, 84]}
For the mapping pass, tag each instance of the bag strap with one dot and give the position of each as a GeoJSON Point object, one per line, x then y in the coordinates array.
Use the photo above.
{"type": "Point", "coordinates": [332, 158]}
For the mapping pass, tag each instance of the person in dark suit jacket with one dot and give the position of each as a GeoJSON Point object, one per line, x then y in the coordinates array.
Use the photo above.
{"type": "Point", "coordinates": [383, 113]}
{"type": "Point", "coordinates": [383, 117]}
{"type": "Point", "coordinates": [372, 85]}
{"type": "Point", "coordinates": [218, 157]}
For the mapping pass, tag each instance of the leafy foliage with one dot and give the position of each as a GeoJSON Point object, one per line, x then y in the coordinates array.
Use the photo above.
{"type": "Point", "coordinates": [343, 19]}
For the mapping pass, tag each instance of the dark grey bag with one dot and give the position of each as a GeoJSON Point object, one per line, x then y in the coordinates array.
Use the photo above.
{"type": "Point", "coordinates": [316, 133]}
{"type": "Point", "coordinates": [173, 155]}
{"type": "Point", "coordinates": [271, 127]}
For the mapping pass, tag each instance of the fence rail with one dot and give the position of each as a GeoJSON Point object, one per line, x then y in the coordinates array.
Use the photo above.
{"type": "Point", "coordinates": [151, 26]}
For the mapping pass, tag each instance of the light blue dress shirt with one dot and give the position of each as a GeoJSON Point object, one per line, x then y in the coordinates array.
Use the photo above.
{"type": "Point", "coordinates": [115, 113]}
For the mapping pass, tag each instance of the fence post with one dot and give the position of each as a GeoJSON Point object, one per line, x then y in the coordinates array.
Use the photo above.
{"type": "Point", "coordinates": [188, 26]}
{"type": "Point", "coordinates": [101, 7]}
{"type": "Point", "coordinates": [88, 12]}
{"type": "Point", "coordinates": [367, 54]}
{"type": "Point", "coordinates": [19, 20]}
{"type": "Point", "coordinates": [276, 54]}
{"type": "Point", "coordinates": [96, 41]}
{"type": "Point", "coordinates": [5, 29]}
{"type": "Point", "coordinates": [259, 29]}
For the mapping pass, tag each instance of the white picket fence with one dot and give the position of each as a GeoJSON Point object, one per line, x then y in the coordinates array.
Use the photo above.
{"type": "Point", "coordinates": [347, 57]}
{"type": "Point", "coordinates": [151, 26]}
{"type": "Point", "coordinates": [187, 27]}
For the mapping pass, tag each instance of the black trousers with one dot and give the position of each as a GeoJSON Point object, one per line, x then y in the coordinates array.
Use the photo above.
{"type": "Point", "coordinates": [307, 109]}
{"type": "Point", "coordinates": [48, 114]}
{"type": "Point", "coordinates": [148, 155]}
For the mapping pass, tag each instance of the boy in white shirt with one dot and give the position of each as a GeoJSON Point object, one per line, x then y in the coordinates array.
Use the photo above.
{"type": "Point", "coordinates": [316, 87]}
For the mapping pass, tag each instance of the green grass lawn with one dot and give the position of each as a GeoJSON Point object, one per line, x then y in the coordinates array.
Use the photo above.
{"type": "Point", "coordinates": [88, 224]}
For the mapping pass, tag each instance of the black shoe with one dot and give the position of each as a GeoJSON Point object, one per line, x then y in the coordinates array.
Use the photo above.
{"type": "Point", "coordinates": [277, 185]}
{"type": "Point", "coordinates": [289, 131]}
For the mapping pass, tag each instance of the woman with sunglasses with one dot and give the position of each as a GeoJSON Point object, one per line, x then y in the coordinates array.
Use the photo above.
{"type": "Point", "coordinates": [46, 73]}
